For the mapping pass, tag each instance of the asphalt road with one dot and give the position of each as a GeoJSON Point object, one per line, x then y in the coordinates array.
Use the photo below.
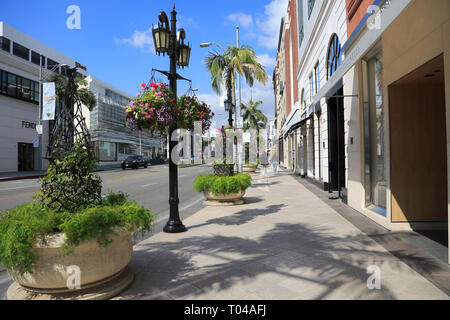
{"type": "Point", "coordinates": [149, 187]}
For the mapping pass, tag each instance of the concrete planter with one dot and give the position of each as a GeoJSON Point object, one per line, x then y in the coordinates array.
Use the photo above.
{"type": "Point", "coordinates": [224, 199]}
{"type": "Point", "coordinates": [103, 271]}
{"type": "Point", "coordinates": [249, 168]}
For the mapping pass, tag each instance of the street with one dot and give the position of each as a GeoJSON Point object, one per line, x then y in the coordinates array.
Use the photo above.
{"type": "Point", "coordinates": [149, 187]}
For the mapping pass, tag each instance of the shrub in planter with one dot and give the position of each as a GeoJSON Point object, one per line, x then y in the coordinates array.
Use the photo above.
{"type": "Point", "coordinates": [22, 227]}
{"type": "Point", "coordinates": [40, 239]}
{"type": "Point", "coordinates": [222, 184]}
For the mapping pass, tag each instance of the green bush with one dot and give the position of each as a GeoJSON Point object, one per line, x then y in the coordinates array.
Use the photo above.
{"type": "Point", "coordinates": [22, 226]}
{"type": "Point", "coordinates": [222, 184]}
{"type": "Point", "coordinates": [70, 184]}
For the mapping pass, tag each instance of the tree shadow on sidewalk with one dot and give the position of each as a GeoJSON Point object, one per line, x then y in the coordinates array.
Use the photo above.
{"type": "Point", "coordinates": [290, 261]}
{"type": "Point", "coordinates": [242, 217]}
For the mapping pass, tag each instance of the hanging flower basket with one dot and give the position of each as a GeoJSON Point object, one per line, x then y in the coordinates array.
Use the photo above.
{"type": "Point", "coordinates": [155, 108]}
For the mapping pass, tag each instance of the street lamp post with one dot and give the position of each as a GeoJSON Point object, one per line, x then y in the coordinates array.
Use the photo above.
{"type": "Point", "coordinates": [167, 40]}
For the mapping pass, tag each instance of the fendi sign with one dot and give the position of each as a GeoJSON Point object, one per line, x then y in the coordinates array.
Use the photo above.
{"type": "Point", "coordinates": [28, 125]}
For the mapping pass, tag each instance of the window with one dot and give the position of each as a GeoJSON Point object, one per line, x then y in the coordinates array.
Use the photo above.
{"type": "Point", "coordinates": [310, 7]}
{"type": "Point", "coordinates": [12, 85]}
{"type": "Point", "coordinates": [316, 78]}
{"type": "Point", "coordinates": [35, 58]}
{"type": "Point", "coordinates": [3, 81]}
{"type": "Point", "coordinates": [21, 52]}
{"type": "Point", "coordinates": [311, 87]}
{"type": "Point", "coordinates": [52, 65]}
{"type": "Point", "coordinates": [19, 87]}
{"type": "Point", "coordinates": [334, 58]}
{"type": "Point", "coordinates": [374, 132]}
{"type": "Point", "coordinates": [300, 21]}
{"type": "Point", "coordinates": [5, 44]}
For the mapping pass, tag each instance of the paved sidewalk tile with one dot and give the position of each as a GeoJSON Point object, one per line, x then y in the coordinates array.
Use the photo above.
{"type": "Point", "coordinates": [284, 243]}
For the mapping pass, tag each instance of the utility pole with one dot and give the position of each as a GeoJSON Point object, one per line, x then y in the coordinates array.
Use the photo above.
{"type": "Point", "coordinates": [239, 126]}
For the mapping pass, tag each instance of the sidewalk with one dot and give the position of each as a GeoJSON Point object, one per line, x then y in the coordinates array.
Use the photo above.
{"type": "Point", "coordinates": [285, 243]}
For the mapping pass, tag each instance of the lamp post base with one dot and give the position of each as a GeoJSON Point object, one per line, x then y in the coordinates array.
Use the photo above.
{"type": "Point", "coordinates": [174, 227]}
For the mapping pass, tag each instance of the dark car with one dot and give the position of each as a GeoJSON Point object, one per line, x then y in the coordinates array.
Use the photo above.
{"type": "Point", "coordinates": [134, 162]}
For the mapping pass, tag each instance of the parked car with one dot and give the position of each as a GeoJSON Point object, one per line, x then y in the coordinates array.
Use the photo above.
{"type": "Point", "coordinates": [134, 162]}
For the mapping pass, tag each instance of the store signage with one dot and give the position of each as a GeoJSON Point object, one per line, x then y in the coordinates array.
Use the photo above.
{"type": "Point", "coordinates": [48, 107]}
{"type": "Point", "coordinates": [28, 125]}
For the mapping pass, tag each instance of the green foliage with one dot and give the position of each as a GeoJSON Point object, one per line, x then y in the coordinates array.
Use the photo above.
{"type": "Point", "coordinates": [70, 184]}
{"type": "Point", "coordinates": [23, 226]}
{"type": "Point", "coordinates": [222, 184]}
{"type": "Point", "coordinates": [221, 168]}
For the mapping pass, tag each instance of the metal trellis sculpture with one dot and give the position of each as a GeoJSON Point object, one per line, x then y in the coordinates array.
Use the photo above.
{"type": "Point", "coordinates": [70, 125]}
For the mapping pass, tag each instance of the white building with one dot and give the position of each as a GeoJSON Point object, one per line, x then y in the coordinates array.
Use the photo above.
{"type": "Point", "coordinates": [112, 140]}
{"type": "Point", "coordinates": [20, 62]}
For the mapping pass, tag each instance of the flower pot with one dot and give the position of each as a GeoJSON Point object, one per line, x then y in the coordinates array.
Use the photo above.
{"type": "Point", "coordinates": [224, 199]}
{"type": "Point", "coordinates": [100, 267]}
{"type": "Point", "coordinates": [249, 167]}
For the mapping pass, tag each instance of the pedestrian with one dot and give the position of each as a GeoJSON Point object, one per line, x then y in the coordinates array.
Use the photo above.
{"type": "Point", "coordinates": [274, 158]}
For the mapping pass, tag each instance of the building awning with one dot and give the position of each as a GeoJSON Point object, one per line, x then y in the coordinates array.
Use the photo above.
{"type": "Point", "coordinates": [387, 14]}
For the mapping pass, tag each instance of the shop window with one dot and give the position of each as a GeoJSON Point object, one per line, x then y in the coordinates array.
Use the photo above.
{"type": "Point", "coordinates": [374, 135]}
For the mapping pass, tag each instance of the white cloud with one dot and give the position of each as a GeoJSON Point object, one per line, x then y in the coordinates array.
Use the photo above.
{"type": "Point", "coordinates": [242, 19]}
{"type": "Point", "coordinates": [140, 39]}
{"type": "Point", "coordinates": [269, 26]}
{"type": "Point", "coordinates": [267, 61]}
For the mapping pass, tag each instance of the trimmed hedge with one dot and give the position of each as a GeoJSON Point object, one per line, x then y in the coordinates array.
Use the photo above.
{"type": "Point", "coordinates": [222, 184]}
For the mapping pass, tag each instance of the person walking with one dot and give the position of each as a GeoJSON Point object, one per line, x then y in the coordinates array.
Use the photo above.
{"type": "Point", "coordinates": [274, 158]}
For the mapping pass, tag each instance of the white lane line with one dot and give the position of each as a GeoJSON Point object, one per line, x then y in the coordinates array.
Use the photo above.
{"type": "Point", "coordinates": [148, 185]}
{"type": "Point", "coordinates": [183, 176]}
{"type": "Point", "coordinates": [25, 187]}
{"type": "Point", "coordinates": [165, 216]}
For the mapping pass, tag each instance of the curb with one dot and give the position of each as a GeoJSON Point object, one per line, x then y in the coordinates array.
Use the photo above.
{"type": "Point", "coordinates": [22, 178]}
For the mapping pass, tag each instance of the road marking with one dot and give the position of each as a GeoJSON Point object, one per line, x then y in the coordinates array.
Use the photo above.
{"type": "Point", "coordinates": [183, 176]}
{"type": "Point", "coordinates": [165, 216]}
{"type": "Point", "coordinates": [17, 188]}
{"type": "Point", "coordinates": [16, 196]}
{"type": "Point", "coordinates": [148, 185]}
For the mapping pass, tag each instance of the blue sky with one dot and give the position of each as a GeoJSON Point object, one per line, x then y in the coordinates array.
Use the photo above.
{"type": "Point", "coordinates": [115, 40]}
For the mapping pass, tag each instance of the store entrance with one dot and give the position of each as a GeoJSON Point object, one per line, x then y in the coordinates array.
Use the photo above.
{"type": "Point", "coordinates": [418, 145]}
{"type": "Point", "coordinates": [25, 156]}
{"type": "Point", "coordinates": [336, 142]}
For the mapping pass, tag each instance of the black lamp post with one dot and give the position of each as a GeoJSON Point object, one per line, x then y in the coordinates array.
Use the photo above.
{"type": "Point", "coordinates": [229, 108]}
{"type": "Point", "coordinates": [167, 40]}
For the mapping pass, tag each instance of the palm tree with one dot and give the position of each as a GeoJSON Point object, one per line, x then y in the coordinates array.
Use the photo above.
{"type": "Point", "coordinates": [242, 61]}
{"type": "Point", "coordinates": [84, 94]}
{"type": "Point", "coordinates": [253, 118]}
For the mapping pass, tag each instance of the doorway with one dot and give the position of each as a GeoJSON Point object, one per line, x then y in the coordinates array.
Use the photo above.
{"type": "Point", "coordinates": [418, 145]}
{"type": "Point", "coordinates": [336, 142]}
{"type": "Point", "coordinates": [25, 156]}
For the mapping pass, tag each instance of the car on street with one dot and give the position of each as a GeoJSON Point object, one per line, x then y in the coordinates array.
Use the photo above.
{"type": "Point", "coordinates": [134, 162]}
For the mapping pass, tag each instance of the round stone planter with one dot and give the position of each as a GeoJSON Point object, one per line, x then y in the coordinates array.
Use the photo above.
{"type": "Point", "coordinates": [103, 272]}
{"type": "Point", "coordinates": [220, 199]}
{"type": "Point", "coordinates": [249, 168]}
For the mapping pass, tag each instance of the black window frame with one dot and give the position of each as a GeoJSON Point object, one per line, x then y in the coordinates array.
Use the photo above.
{"type": "Point", "coordinates": [19, 51]}
{"type": "Point", "coordinates": [3, 46]}
{"type": "Point", "coordinates": [35, 58]}
{"type": "Point", "coordinates": [18, 89]}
